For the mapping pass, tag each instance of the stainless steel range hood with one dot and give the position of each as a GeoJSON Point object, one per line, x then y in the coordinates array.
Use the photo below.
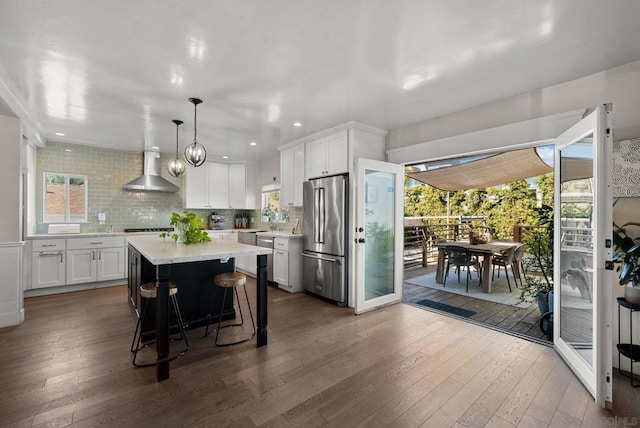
{"type": "Point", "coordinates": [150, 180]}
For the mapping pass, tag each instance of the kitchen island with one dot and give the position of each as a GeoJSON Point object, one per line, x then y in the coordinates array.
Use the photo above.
{"type": "Point", "coordinates": [192, 268]}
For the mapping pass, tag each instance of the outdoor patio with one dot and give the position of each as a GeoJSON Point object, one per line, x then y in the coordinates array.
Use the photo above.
{"type": "Point", "coordinates": [510, 316]}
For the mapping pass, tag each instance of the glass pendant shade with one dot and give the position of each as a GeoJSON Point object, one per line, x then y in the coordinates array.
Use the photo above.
{"type": "Point", "coordinates": [176, 167]}
{"type": "Point", "coordinates": [195, 154]}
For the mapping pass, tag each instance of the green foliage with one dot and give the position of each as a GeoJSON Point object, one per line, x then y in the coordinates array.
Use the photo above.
{"type": "Point", "coordinates": [190, 228]}
{"type": "Point", "coordinates": [537, 265]}
{"type": "Point", "coordinates": [627, 254]}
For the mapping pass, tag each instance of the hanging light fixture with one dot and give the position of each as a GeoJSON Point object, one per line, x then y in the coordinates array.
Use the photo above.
{"type": "Point", "coordinates": [195, 154]}
{"type": "Point", "coordinates": [176, 166]}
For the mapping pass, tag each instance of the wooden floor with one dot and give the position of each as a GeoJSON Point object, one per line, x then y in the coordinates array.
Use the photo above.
{"type": "Point", "coordinates": [519, 321]}
{"type": "Point", "coordinates": [69, 365]}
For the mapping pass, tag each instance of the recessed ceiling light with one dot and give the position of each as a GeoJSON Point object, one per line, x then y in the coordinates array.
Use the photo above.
{"type": "Point", "coordinates": [297, 124]}
{"type": "Point", "coordinates": [253, 143]}
{"type": "Point", "coordinates": [68, 150]}
{"type": "Point", "coordinates": [225, 157]}
{"type": "Point", "coordinates": [155, 148]}
{"type": "Point", "coordinates": [60, 134]}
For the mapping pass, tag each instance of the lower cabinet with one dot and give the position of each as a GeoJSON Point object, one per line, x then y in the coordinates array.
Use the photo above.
{"type": "Point", "coordinates": [91, 259]}
{"type": "Point", "coordinates": [59, 262]}
{"type": "Point", "coordinates": [287, 263]}
{"type": "Point", "coordinates": [48, 263]}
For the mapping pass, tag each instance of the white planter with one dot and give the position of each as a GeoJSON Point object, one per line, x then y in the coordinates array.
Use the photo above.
{"type": "Point", "coordinates": [632, 294]}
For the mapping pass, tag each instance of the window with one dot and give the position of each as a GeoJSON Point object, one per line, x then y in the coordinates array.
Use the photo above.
{"type": "Point", "coordinates": [271, 210]}
{"type": "Point", "coordinates": [65, 198]}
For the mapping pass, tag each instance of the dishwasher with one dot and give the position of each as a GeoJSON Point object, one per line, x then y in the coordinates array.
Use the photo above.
{"type": "Point", "coordinates": [267, 242]}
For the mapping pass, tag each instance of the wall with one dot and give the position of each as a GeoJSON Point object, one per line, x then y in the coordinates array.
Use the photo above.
{"type": "Point", "coordinates": [620, 86]}
{"type": "Point", "coordinates": [107, 170]}
{"type": "Point", "coordinates": [11, 246]}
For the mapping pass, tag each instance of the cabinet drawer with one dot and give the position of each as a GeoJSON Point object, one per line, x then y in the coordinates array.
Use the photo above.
{"type": "Point", "coordinates": [96, 242]}
{"type": "Point", "coordinates": [281, 243]}
{"type": "Point", "coordinates": [48, 244]}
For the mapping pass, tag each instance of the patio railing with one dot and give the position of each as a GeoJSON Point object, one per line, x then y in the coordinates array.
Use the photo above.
{"type": "Point", "coordinates": [421, 233]}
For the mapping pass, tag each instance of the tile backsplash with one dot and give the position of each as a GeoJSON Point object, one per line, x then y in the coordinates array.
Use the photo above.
{"type": "Point", "coordinates": [107, 170]}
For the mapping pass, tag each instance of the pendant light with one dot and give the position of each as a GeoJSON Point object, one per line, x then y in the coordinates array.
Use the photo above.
{"type": "Point", "coordinates": [195, 154]}
{"type": "Point", "coordinates": [176, 166]}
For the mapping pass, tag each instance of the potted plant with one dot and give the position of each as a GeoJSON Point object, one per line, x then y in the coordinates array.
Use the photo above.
{"type": "Point", "coordinates": [627, 254]}
{"type": "Point", "coordinates": [189, 228]}
{"type": "Point", "coordinates": [538, 264]}
{"type": "Point", "coordinates": [538, 269]}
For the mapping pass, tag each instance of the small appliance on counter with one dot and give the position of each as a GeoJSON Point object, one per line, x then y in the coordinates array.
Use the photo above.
{"type": "Point", "coordinates": [216, 221]}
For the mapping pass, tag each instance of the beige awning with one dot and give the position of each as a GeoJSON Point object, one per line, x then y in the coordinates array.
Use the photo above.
{"type": "Point", "coordinates": [494, 170]}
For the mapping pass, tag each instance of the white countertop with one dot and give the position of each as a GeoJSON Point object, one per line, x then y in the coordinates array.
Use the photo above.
{"type": "Point", "coordinates": [162, 252]}
{"type": "Point", "coordinates": [280, 234]}
{"type": "Point", "coordinates": [127, 234]}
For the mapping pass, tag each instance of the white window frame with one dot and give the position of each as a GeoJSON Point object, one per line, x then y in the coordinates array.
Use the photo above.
{"type": "Point", "coordinates": [66, 217]}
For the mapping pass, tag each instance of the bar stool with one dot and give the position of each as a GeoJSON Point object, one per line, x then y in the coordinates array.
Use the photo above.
{"type": "Point", "coordinates": [149, 291]}
{"type": "Point", "coordinates": [232, 280]}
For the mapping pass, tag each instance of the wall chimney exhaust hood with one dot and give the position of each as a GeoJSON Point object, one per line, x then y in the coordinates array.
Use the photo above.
{"type": "Point", "coordinates": [150, 180]}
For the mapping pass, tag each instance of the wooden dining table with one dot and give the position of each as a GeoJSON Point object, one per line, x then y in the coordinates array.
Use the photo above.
{"type": "Point", "coordinates": [485, 250]}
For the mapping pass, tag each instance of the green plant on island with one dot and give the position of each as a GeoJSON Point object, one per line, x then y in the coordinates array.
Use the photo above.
{"type": "Point", "coordinates": [189, 228]}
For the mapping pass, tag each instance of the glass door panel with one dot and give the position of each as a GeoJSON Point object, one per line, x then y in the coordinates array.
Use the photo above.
{"type": "Point", "coordinates": [582, 244]}
{"type": "Point", "coordinates": [379, 235]}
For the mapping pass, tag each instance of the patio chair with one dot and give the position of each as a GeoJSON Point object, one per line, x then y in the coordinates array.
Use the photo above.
{"type": "Point", "coordinates": [460, 257]}
{"type": "Point", "coordinates": [517, 266]}
{"type": "Point", "coordinates": [505, 259]}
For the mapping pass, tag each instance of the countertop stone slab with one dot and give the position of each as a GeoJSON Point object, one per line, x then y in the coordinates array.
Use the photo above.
{"type": "Point", "coordinates": [162, 252]}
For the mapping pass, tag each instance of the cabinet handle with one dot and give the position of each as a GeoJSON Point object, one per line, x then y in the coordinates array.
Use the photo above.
{"type": "Point", "coordinates": [61, 258]}
{"type": "Point", "coordinates": [95, 243]}
{"type": "Point", "coordinates": [99, 255]}
{"type": "Point", "coordinates": [48, 245]}
{"type": "Point", "coordinates": [93, 255]}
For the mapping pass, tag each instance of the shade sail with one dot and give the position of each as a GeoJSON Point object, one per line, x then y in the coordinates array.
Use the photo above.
{"type": "Point", "coordinates": [493, 170]}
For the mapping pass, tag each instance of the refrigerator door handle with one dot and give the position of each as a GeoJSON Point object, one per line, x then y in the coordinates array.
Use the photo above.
{"type": "Point", "coordinates": [319, 258]}
{"type": "Point", "coordinates": [321, 215]}
{"type": "Point", "coordinates": [318, 218]}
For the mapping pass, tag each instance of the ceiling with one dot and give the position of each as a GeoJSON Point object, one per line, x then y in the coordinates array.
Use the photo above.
{"type": "Point", "coordinates": [115, 73]}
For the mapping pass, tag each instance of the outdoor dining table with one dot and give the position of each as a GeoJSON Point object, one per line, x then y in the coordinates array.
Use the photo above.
{"type": "Point", "coordinates": [485, 250]}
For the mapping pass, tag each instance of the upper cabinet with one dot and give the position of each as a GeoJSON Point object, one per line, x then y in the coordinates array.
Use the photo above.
{"type": "Point", "coordinates": [328, 155]}
{"type": "Point", "coordinates": [291, 176]}
{"type": "Point", "coordinates": [329, 152]}
{"type": "Point", "coordinates": [221, 186]}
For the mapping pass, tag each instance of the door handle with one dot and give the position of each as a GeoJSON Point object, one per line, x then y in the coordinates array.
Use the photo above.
{"type": "Point", "coordinates": [319, 258]}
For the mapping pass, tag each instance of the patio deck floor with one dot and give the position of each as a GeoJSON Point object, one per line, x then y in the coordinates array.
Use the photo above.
{"type": "Point", "coordinates": [522, 322]}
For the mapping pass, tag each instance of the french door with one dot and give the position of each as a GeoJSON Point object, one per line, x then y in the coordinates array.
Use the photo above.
{"type": "Point", "coordinates": [582, 245]}
{"type": "Point", "coordinates": [379, 234]}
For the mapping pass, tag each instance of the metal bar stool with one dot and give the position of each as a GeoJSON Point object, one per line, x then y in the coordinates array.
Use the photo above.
{"type": "Point", "coordinates": [149, 291]}
{"type": "Point", "coordinates": [232, 280]}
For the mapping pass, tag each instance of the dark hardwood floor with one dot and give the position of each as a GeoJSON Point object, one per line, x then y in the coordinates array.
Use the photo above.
{"type": "Point", "coordinates": [69, 365]}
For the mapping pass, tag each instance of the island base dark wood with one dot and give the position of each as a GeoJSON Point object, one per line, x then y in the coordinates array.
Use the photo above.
{"type": "Point", "coordinates": [196, 289]}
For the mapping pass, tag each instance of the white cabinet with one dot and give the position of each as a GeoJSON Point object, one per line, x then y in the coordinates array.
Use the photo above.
{"type": "Point", "coordinates": [218, 180]}
{"type": "Point", "coordinates": [196, 188]}
{"type": "Point", "coordinates": [287, 263]}
{"type": "Point", "coordinates": [291, 176]}
{"type": "Point", "coordinates": [95, 259]}
{"type": "Point", "coordinates": [219, 185]}
{"type": "Point", "coordinates": [48, 263]}
{"type": "Point", "coordinates": [237, 186]}
{"type": "Point", "coordinates": [327, 155]}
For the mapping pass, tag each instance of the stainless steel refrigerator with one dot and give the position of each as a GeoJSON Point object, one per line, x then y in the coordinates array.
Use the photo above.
{"type": "Point", "coordinates": [325, 254]}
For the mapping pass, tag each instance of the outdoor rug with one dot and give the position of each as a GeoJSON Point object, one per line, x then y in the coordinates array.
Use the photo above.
{"type": "Point", "coordinates": [461, 312]}
{"type": "Point", "coordinates": [500, 290]}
